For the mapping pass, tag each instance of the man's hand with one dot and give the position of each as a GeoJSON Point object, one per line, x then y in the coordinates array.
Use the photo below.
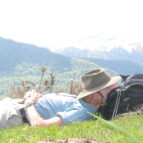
{"type": "Point", "coordinates": [31, 97]}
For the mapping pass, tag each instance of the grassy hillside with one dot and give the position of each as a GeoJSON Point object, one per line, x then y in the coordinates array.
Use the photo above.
{"type": "Point", "coordinates": [94, 129]}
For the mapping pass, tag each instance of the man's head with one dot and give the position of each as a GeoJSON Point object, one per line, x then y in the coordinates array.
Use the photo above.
{"type": "Point", "coordinates": [95, 81]}
{"type": "Point", "coordinates": [98, 99]}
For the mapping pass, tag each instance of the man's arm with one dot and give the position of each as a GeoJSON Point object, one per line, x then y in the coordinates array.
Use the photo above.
{"type": "Point", "coordinates": [36, 120]}
{"type": "Point", "coordinates": [53, 121]}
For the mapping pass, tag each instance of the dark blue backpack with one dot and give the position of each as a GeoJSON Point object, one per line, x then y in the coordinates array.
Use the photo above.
{"type": "Point", "coordinates": [128, 97]}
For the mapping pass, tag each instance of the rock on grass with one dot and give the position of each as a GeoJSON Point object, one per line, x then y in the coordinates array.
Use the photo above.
{"type": "Point", "coordinates": [71, 140]}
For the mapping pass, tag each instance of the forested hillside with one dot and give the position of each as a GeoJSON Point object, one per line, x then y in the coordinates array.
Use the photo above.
{"type": "Point", "coordinates": [32, 72]}
{"type": "Point", "coordinates": [24, 61]}
{"type": "Point", "coordinates": [13, 54]}
{"type": "Point", "coordinates": [124, 67]}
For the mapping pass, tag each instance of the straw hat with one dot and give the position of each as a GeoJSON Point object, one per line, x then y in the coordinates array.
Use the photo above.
{"type": "Point", "coordinates": [96, 80]}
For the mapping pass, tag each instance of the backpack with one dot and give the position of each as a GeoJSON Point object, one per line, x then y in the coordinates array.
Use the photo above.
{"type": "Point", "coordinates": [128, 97]}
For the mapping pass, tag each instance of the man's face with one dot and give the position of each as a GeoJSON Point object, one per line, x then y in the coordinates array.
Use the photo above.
{"type": "Point", "coordinates": [94, 99]}
{"type": "Point", "coordinates": [99, 98]}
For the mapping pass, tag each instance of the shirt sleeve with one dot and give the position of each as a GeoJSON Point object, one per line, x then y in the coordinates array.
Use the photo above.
{"type": "Point", "coordinates": [74, 116]}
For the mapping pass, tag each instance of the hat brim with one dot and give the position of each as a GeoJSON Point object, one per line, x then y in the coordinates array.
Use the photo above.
{"type": "Point", "coordinates": [113, 80]}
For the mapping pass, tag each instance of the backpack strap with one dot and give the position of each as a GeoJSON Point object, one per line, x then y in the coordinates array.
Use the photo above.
{"type": "Point", "coordinates": [111, 109]}
{"type": "Point", "coordinates": [118, 97]}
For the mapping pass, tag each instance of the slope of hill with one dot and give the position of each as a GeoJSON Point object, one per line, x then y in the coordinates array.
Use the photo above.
{"type": "Point", "coordinates": [13, 53]}
{"type": "Point", "coordinates": [25, 58]}
{"type": "Point", "coordinates": [117, 59]}
{"type": "Point", "coordinates": [124, 67]}
{"type": "Point", "coordinates": [23, 61]}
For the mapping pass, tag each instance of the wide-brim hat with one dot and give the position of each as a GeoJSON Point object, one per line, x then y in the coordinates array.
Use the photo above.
{"type": "Point", "coordinates": [95, 81]}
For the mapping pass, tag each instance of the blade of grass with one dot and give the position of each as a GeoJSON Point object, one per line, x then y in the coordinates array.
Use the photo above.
{"type": "Point", "coordinates": [115, 127]}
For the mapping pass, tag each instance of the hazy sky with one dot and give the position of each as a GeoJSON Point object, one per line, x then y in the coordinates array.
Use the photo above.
{"type": "Point", "coordinates": [81, 23]}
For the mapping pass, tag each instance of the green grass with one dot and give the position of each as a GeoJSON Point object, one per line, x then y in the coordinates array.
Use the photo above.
{"type": "Point", "coordinates": [94, 129]}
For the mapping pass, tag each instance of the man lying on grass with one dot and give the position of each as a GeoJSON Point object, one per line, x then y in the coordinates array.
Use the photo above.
{"type": "Point", "coordinates": [59, 108]}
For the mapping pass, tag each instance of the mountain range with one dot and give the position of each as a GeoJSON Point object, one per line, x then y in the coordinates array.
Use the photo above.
{"type": "Point", "coordinates": [23, 61]}
{"type": "Point", "coordinates": [14, 54]}
{"type": "Point", "coordinates": [17, 56]}
{"type": "Point", "coordinates": [118, 59]}
{"type": "Point", "coordinates": [119, 53]}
